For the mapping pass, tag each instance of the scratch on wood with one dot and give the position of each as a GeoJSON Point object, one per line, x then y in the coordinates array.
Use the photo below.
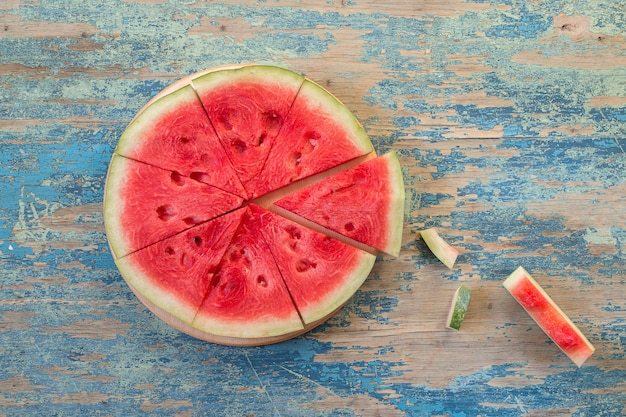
{"type": "Point", "coordinates": [326, 389]}
{"type": "Point", "coordinates": [263, 387]}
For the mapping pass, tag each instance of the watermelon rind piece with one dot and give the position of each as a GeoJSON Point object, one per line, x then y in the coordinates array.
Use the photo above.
{"type": "Point", "coordinates": [445, 252]}
{"type": "Point", "coordinates": [547, 314]}
{"type": "Point", "coordinates": [376, 221]}
{"type": "Point", "coordinates": [458, 308]}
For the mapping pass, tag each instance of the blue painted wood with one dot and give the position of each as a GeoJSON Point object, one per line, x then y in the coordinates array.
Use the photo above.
{"type": "Point", "coordinates": [509, 120]}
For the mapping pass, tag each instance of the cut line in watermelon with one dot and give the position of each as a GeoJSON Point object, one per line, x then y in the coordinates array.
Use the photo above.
{"type": "Point", "coordinates": [547, 314]}
{"type": "Point", "coordinates": [161, 211]}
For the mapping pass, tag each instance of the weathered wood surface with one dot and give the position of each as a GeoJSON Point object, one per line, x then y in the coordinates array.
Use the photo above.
{"type": "Point", "coordinates": [509, 118]}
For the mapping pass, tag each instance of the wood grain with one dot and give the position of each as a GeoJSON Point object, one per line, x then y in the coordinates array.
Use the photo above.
{"type": "Point", "coordinates": [508, 118]}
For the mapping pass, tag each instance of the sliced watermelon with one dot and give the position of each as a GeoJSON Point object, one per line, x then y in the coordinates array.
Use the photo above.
{"type": "Point", "coordinates": [174, 273]}
{"type": "Point", "coordinates": [176, 185]}
{"type": "Point", "coordinates": [321, 273]}
{"type": "Point", "coordinates": [247, 297]}
{"type": "Point", "coordinates": [174, 133]}
{"type": "Point", "coordinates": [549, 316]}
{"type": "Point", "coordinates": [144, 204]}
{"type": "Point", "coordinates": [364, 203]}
{"type": "Point", "coordinates": [248, 106]}
{"type": "Point", "coordinates": [319, 133]}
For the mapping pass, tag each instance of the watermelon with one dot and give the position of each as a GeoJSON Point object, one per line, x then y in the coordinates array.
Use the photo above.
{"type": "Point", "coordinates": [552, 320]}
{"type": "Point", "coordinates": [176, 203]}
{"type": "Point", "coordinates": [320, 133]}
{"type": "Point", "coordinates": [174, 133]}
{"type": "Point", "coordinates": [180, 268]}
{"type": "Point", "coordinates": [187, 194]}
{"type": "Point", "coordinates": [247, 296]}
{"type": "Point", "coordinates": [378, 188]}
{"type": "Point", "coordinates": [320, 272]}
{"type": "Point", "coordinates": [247, 107]}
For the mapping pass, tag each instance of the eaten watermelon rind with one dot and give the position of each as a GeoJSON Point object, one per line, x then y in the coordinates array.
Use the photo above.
{"type": "Point", "coordinates": [458, 308]}
{"type": "Point", "coordinates": [445, 252]}
{"type": "Point", "coordinates": [546, 310]}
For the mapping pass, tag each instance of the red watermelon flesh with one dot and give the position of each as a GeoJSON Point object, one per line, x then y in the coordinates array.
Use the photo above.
{"type": "Point", "coordinates": [145, 204]}
{"type": "Point", "coordinates": [533, 298]}
{"type": "Point", "coordinates": [318, 134]}
{"type": "Point", "coordinates": [247, 297]}
{"type": "Point", "coordinates": [174, 273]}
{"type": "Point", "coordinates": [320, 272]}
{"type": "Point", "coordinates": [174, 133]}
{"type": "Point", "coordinates": [364, 203]}
{"type": "Point", "coordinates": [247, 107]}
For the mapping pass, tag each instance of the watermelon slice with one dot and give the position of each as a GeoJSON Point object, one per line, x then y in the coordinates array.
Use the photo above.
{"type": "Point", "coordinates": [320, 133]}
{"type": "Point", "coordinates": [247, 297]}
{"type": "Point", "coordinates": [174, 133]}
{"type": "Point", "coordinates": [144, 204]}
{"type": "Point", "coordinates": [321, 273]}
{"type": "Point", "coordinates": [378, 190]}
{"type": "Point", "coordinates": [174, 273]}
{"type": "Point", "coordinates": [193, 244]}
{"type": "Point", "coordinates": [549, 316]}
{"type": "Point", "coordinates": [248, 106]}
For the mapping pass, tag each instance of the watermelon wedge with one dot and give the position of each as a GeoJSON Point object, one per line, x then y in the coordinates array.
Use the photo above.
{"type": "Point", "coordinates": [174, 273]}
{"type": "Point", "coordinates": [174, 133]}
{"type": "Point", "coordinates": [144, 204]}
{"type": "Point", "coordinates": [247, 107]}
{"type": "Point", "coordinates": [188, 189]}
{"type": "Point", "coordinates": [320, 133]}
{"type": "Point", "coordinates": [247, 297]}
{"type": "Point", "coordinates": [377, 188]}
{"type": "Point", "coordinates": [552, 320]}
{"type": "Point", "coordinates": [320, 272]}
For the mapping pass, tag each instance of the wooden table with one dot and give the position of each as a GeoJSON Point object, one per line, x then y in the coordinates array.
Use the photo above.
{"type": "Point", "coordinates": [510, 122]}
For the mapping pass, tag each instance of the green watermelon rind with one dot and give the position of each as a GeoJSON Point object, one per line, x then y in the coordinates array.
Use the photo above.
{"type": "Point", "coordinates": [396, 209]}
{"type": "Point", "coordinates": [458, 308]}
{"type": "Point", "coordinates": [236, 74]}
{"type": "Point", "coordinates": [113, 208]}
